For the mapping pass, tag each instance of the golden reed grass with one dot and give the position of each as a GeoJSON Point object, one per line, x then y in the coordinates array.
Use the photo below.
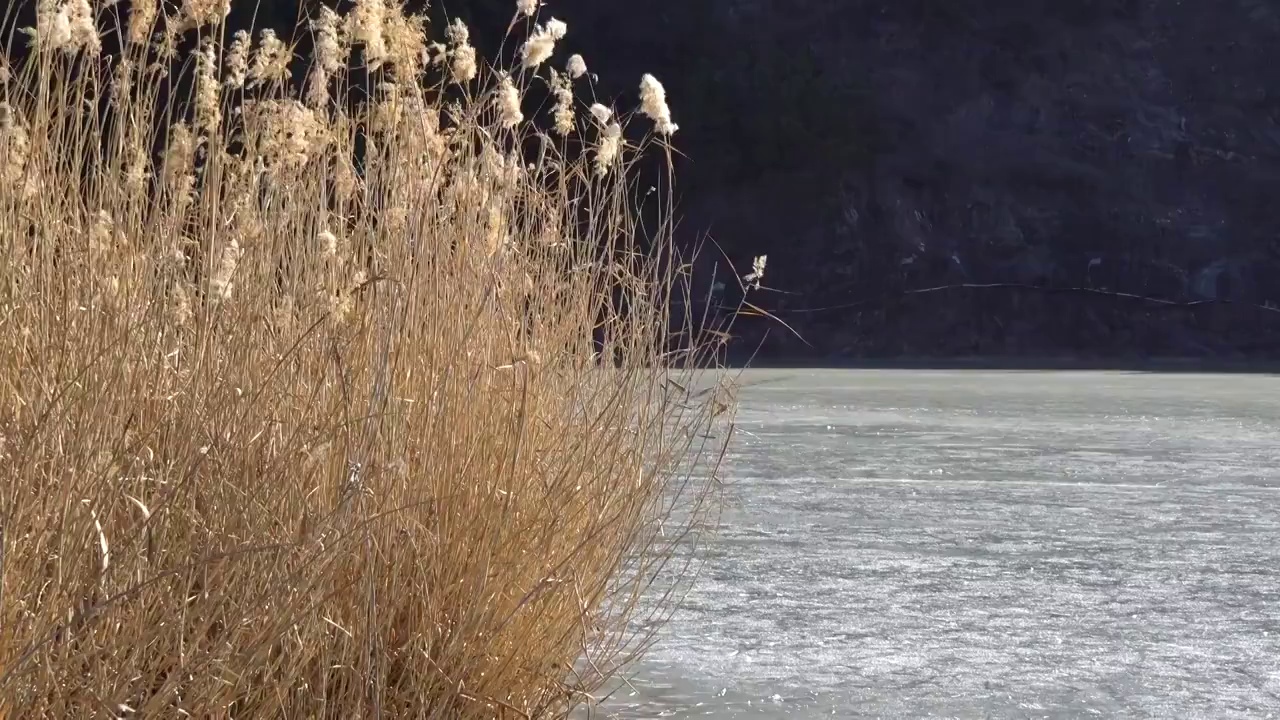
{"type": "Point", "coordinates": [320, 408]}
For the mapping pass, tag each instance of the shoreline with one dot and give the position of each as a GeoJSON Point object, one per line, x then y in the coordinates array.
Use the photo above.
{"type": "Point", "coordinates": [1189, 365]}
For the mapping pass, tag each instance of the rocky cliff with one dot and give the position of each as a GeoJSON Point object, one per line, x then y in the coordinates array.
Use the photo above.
{"type": "Point", "coordinates": [874, 148]}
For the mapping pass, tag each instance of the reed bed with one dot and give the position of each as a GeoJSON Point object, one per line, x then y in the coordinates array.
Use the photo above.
{"type": "Point", "coordinates": [345, 385]}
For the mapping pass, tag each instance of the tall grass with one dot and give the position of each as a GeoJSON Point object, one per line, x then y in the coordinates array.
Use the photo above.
{"type": "Point", "coordinates": [353, 396]}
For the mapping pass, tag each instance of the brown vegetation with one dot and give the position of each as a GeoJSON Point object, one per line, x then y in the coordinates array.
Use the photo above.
{"type": "Point", "coordinates": [302, 415]}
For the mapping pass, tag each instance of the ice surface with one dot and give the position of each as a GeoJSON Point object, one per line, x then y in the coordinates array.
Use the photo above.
{"type": "Point", "coordinates": [971, 544]}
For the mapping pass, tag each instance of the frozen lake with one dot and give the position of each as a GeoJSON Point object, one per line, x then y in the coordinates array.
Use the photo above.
{"type": "Point", "coordinates": [906, 544]}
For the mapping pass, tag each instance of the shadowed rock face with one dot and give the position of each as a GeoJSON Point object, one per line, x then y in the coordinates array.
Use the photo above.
{"type": "Point", "coordinates": [868, 147]}
{"type": "Point", "coordinates": [874, 147]}
{"type": "Point", "coordinates": [1130, 145]}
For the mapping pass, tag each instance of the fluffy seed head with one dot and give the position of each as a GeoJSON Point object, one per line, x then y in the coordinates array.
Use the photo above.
{"type": "Point", "coordinates": [405, 38]}
{"type": "Point", "coordinates": [507, 100]}
{"type": "Point", "coordinates": [462, 66]}
{"type": "Point", "coordinates": [14, 146]}
{"type": "Point", "coordinates": [208, 110]}
{"type": "Point", "coordinates": [608, 149]}
{"type": "Point", "coordinates": [653, 103]}
{"type": "Point", "coordinates": [53, 26]}
{"type": "Point", "coordinates": [238, 60]}
{"type": "Point", "coordinates": [180, 155]}
{"type": "Point", "coordinates": [331, 53]}
{"type": "Point", "coordinates": [601, 113]}
{"type": "Point", "coordinates": [142, 17]}
{"type": "Point", "coordinates": [290, 132]}
{"type": "Point", "coordinates": [272, 60]}
{"type": "Point", "coordinates": [527, 8]}
{"type": "Point", "coordinates": [576, 67]}
{"type": "Point", "coordinates": [542, 43]}
{"type": "Point", "coordinates": [365, 25]}
{"type": "Point", "coordinates": [102, 233]}
{"type": "Point", "coordinates": [328, 244]}
{"type": "Point", "coordinates": [757, 270]}
{"type": "Point", "coordinates": [220, 283]}
{"type": "Point", "coordinates": [84, 34]}
{"type": "Point", "coordinates": [562, 88]}
{"type": "Point", "coordinates": [317, 87]}
{"type": "Point", "coordinates": [137, 171]}
{"type": "Point", "coordinates": [198, 13]}
{"type": "Point", "coordinates": [180, 312]}
{"type": "Point", "coordinates": [458, 33]}
{"type": "Point", "coordinates": [59, 33]}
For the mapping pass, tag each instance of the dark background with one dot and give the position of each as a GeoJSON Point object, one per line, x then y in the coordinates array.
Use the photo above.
{"type": "Point", "coordinates": [1112, 166]}
{"type": "Point", "coordinates": [1086, 179]}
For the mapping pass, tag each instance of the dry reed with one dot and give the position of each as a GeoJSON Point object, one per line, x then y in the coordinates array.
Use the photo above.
{"type": "Point", "coordinates": [326, 408]}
